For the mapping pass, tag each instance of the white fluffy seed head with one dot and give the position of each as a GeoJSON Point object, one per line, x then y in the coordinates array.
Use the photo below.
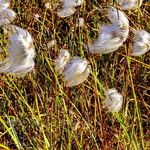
{"type": "Point", "coordinates": [21, 52]}
{"type": "Point", "coordinates": [118, 17]}
{"type": "Point", "coordinates": [4, 4]}
{"type": "Point", "coordinates": [20, 35]}
{"type": "Point", "coordinates": [109, 40]}
{"type": "Point", "coordinates": [76, 71]}
{"type": "Point", "coordinates": [141, 43]}
{"type": "Point", "coordinates": [62, 60]}
{"type": "Point", "coordinates": [68, 8]}
{"type": "Point", "coordinates": [79, 2]}
{"type": "Point", "coordinates": [66, 12]}
{"type": "Point", "coordinates": [36, 16]}
{"type": "Point", "coordinates": [47, 5]}
{"type": "Point", "coordinates": [111, 37]}
{"type": "Point", "coordinates": [6, 15]}
{"type": "Point", "coordinates": [51, 43]}
{"type": "Point", "coordinates": [113, 101]}
{"type": "Point", "coordinates": [80, 22]}
{"type": "Point", "coordinates": [130, 4]}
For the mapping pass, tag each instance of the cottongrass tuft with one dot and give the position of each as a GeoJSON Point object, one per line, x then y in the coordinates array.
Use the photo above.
{"type": "Point", "coordinates": [141, 43]}
{"type": "Point", "coordinates": [51, 44]}
{"type": "Point", "coordinates": [113, 101]}
{"type": "Point", "coordinates": [68, 8]}
{"type": "Point", "coordinates": [62, 60]}
{"type": "Point", "coordinates": [111, 37]}
{"type": "Point", "coordinates": [21, 52]}
{"type": "Point", "coordinates": [6, 15]}
{"type": "Point", "coordinates": [118, 17]}
{"type": "Point", "coordinates": [36, 16]}
{"type": "Point", "coordinates": [80, 22]}
{"type": "Point", "coordinates": [47, 5]}
{"type": "Point", "coordinates": [130, 4]}
{"type": "Point", "coordinates": [75, 69]}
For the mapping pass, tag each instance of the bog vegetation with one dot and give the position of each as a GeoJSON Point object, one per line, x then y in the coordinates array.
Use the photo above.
{"type": "Point", "coordinates": [74, 75]}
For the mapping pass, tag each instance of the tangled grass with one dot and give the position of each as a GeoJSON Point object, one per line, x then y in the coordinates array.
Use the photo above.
{"type": "Point", "coordinates": [39, 112]}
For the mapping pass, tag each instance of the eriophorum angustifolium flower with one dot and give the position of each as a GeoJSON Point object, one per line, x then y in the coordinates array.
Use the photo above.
{"type": "Point", "coordinates": [47, 5]}
{"type": "Point", "coordinates": [6, 15]}
{"type": "Point", "coordinates": [113, 101]}
{"type": "Point", "coordinates": [62, 60]}
{"type": "Point", "coordinates": [36, 16]}
{"type": "Point", "coordinates": [21, 52]}
{"type": "Point", "coordinates": [111, 37]}
{"type": "Point", "coordinates": [76, 71]}
{"type": "Point", "coordinates": [51, 43]}
{"type": "Point", "coordinates": [80, 22]}
{"type": "Point", "coordinates": [68, 8]}
{"type": "Point", "coordinates": [130, 4]}
{"type": "Point", "coordinates": [141, 43]}
{"type": "Point", "coordinates": [118, 17]}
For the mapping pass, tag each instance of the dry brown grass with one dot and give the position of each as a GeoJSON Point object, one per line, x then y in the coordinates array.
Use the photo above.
{"type": "Point", "coordinates": [39, 112]}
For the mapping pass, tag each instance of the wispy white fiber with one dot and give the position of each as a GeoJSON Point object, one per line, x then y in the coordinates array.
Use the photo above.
{"type": "Point", "coordinates": [75, 70]}
{"type": "Point", "coordinates": [21, 52]}
{"type": "Point", "coordinates": [47, 5]}
{"type": "Point", "coordinates": [68, 8]}
{"type": "Point", "coordinates": [141, 43]}
{"type": "Point", "coordinates": [36, 16]}
{"type": "Point", "coordinates": [4, 4]}
{"type": "Point", "coordinates": [130, 4]}
{"type": "Point", "coordinates": [113, 101]}
{"type": "Point", "coordinates": [6, 15]}
{"type": "Point", "coordinates": [62, 60]}
{"type": "Point", "coordinates": [51, 43]}
{"type": "Point", "coordinates": [118, 17]}
{"type": "Point", "coordinates": [111, 37]}
{"type": "Point", "coordinates": [80, 22]}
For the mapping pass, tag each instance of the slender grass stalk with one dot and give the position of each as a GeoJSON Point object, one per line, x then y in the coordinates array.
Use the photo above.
{"type": "Point", "coordinates": [4, 147]}
{"type": "Point", "coordinates": [12, 133]}
{"type": "Point", "coordinates": [137, 110]}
